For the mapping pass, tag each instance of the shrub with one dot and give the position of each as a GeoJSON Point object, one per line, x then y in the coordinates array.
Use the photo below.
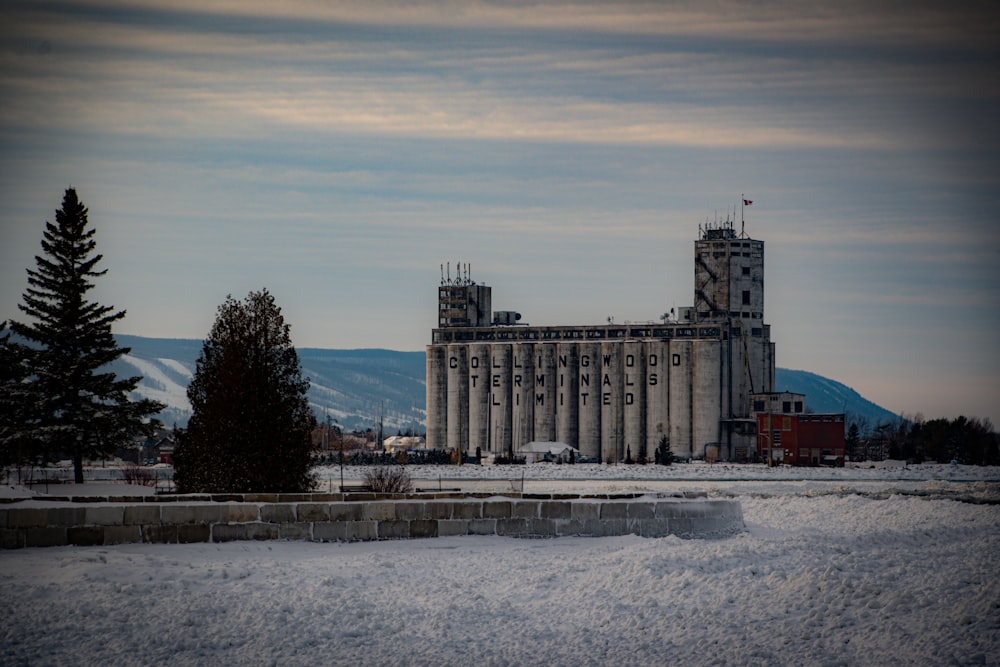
{"type": "Point", "coordinates": [386, 479]}
{"type": "Point", "coordinates": [136, 474]}
{"type": "Point", "coordinates": [664, 456]}
{"type": "Point", "coordinates": [503, 460]}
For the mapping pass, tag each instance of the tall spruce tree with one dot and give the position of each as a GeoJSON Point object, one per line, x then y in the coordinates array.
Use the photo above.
{"type": "Point", "coordinates": [251, 426]}
{"type": "Point", "coordinates": [80, 408]}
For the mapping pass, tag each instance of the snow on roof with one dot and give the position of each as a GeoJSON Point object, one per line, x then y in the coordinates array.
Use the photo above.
{"type": "Point", "coordinates": [541, 447]}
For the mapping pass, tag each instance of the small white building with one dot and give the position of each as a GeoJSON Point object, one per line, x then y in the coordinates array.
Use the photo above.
{"type": "Point", "coordinates": [398, 443]}
{"type": "Point", "coordinates": [535, 451]}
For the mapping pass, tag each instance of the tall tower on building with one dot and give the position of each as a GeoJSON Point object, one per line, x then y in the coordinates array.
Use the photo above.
{"type": "Point", "coordinates": [729, 287]}
{"type": "Point", "coordinates": [461, 302]}
{"type": "Point", "coordinates": [728, 276]}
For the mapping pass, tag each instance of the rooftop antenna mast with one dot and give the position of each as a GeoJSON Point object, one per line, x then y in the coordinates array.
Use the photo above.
{"type": "Point", "coordinates": [744, 203]}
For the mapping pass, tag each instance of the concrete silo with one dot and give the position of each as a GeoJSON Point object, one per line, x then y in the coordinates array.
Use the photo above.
{"type": "Point", "coordinates": [437, 397]}
{"type": "Point", "coordinates": [523, 395]}
{"type": "Point", "coordinates": [634, 398]}
{"type": "Point", "coordinates": [568, 394]}
{"type": "Point", "coordinates": [479, 398]}
{"type": "Point", "coordinates": [612, 403]}
{"type": "Point", "coordinates": [501, 408]}
{"type": "Point", "coordinates": [544, 398]}
{"type": "Point", "coordinates": [458, 397]}
{"type": "Point", "coordinates": [657, 382]}
{"type": "Point", "coordinates": [589, 383]}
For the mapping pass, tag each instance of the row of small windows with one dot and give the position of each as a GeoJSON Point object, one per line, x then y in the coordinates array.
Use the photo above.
{"type": "Point", "coordinates": [520, 333]}
{"type": "Point", "coordinates": [786, 406]}
{"type": "Point", "coordinates": [738, 244]}
{"type": "Point", "coordinates": [756, 332]}
{"type": "Point", "coordinates": [718, 254]}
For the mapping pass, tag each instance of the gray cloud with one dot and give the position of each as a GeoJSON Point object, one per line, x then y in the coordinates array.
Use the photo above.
{"type": "Point", "coordinates": [567, 151]}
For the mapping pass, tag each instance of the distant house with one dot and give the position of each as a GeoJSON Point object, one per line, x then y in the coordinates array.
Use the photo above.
{"type": "Point", "coordinates": [535, 452]}
{"type": "Point", "coordinates": [163, 450]}
{"type": "Point", "coordinates": [403, 443]}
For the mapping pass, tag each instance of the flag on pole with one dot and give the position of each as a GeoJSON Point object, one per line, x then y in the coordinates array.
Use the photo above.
{"type": "Point", "coordinates": [747, 202]}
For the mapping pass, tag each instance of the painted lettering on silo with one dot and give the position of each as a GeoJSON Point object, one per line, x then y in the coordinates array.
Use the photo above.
{"type": "Point", "coordinates": [679, 358]}
{"type": "Point", "coordinates": [545, 392]}
{"type": "Point", "coordinates": [657, 395]}
{"type": "Point", "coordinates": [634, 398]}
{"type": "Point", "coordinates": [500, 399]}
{"type": "Point", "coordinates": [458, 397]}
{"type": "Point", "coordinates": [612, 404]}
{"type": "Point", "coordinates": [523, 395]}
{"type": "Point", "coordinates": [479, 397]}
{"type": "Point", "coordinates": [567, 394]}
{"type": "Point", "coordinates": [590, 400]}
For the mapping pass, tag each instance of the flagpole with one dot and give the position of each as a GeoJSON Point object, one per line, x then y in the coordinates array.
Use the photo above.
{"type": "Point", "coordinates": [743, 203]}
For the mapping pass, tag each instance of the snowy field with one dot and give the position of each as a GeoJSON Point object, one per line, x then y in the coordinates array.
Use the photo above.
{"type": "Point", "coordinates": [871, 566]}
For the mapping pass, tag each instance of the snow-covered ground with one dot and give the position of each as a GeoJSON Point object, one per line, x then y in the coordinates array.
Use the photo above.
{"type": "Point", "coordinates": [871, 566]}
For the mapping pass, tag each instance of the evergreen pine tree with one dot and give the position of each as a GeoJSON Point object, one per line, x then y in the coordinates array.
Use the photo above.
{"type": "Point", "coordinates": [251, 424]}
{"type": "Point", "coordinates": [80, 409]}
{"type": "Point", "coordinates": [664, 456]}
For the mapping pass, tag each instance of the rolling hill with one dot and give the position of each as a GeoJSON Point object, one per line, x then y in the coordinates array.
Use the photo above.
{"type": "Point", "coordinates": [354, 386]}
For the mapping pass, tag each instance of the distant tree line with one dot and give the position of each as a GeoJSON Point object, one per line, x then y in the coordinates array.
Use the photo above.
{"type": "Point", "coordinates": [380, 458]}
{"type": "Point", "coordinates": [964, 440]}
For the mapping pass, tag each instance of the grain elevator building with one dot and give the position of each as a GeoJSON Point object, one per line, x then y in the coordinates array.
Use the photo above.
{"type": "Point", "coordinates": [610, 390]}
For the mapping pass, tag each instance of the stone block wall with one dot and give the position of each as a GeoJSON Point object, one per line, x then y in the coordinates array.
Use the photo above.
{"type": "Point", "coordinates": [343, 517]}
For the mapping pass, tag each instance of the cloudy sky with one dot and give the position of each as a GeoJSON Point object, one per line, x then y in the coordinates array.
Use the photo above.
{"type": "Point", "coordinates": [338, 153]}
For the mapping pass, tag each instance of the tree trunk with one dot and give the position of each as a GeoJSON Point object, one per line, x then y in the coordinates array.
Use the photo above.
{"type": "Point", "coordinates": [78, 468]}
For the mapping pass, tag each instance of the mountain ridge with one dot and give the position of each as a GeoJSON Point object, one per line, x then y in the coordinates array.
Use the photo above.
{"type": "Point", "coordinates": [354, 387]}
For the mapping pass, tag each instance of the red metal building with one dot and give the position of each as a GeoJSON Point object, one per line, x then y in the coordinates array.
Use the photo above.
{"type": "Point", "coordinates": [788, 434]}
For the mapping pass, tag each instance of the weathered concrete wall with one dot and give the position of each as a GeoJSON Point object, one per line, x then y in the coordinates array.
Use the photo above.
{"type": "Point", "coordinates": [353, 517]}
